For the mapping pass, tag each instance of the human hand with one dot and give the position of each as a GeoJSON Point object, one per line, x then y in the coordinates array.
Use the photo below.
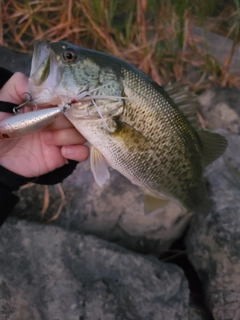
{"type": "Point", "coordinates": [43, 151]}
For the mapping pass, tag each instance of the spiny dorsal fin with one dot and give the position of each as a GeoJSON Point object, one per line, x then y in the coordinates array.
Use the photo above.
{"type": "Point", "coordinates": [186, 101]}
{"type": "Point", "coordinates": [213, 145]}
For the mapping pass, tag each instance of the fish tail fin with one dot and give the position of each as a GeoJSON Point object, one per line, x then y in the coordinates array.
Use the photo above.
{"type": "Point", "coordinates": [213, 146]}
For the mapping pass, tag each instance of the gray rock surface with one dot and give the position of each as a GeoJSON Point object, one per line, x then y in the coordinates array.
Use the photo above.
{"type": "Point", "coordinates": [220, 109]}
{"type": "Point", "coordinates": [113, 212]}
{"type": "Point", "coordinates": [217, 46]}
{"type": "Point", "coordinates": [48, 273]}
{"type": "Point", "coordinates": [15, 61]}
{"type": "Point", "coordinates": [214, 238]}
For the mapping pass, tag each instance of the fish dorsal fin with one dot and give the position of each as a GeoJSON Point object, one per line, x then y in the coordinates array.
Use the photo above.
{"type": "Point", "coordinates": [213, 145]}
{"type": "Point", "coordinates": [186, 101]}
{"type": "Point", "coordinates": [152, 203]}
{"type": "Point", "coordinates": [99, 166]}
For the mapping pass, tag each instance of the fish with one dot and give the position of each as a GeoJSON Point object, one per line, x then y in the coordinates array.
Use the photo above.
{"type": "Point", "coordinates": [147, 132]}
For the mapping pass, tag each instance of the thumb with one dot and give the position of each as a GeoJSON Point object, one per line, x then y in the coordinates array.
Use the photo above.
{"type": "Point", "coordinates": [14, 89]}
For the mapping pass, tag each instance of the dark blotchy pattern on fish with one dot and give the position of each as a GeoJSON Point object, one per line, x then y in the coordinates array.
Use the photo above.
{"type": "Point", "coordinates": [170, 158]}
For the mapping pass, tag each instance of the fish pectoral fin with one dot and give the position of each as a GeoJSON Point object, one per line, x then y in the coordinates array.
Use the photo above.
{"type": "Point", "coordinates": [153, 203]}
{"type": "Point", "coordinates": [99, 166]}
{"type": "Point", "coordinates": [130, 136]}
{"type": "Point", "coordinates": [213, 145]}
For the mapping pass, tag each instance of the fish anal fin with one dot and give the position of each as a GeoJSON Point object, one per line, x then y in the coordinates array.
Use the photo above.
{"type": "Point", "coordinates": [213, 145]}
{"type": "Point", "coordinates": [153, 203]}
{"type": "Point", "coordinates": [99, 166]}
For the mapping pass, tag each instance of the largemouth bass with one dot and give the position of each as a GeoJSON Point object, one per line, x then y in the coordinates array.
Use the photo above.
{"type": "Point", "coordinates": [148, 133]}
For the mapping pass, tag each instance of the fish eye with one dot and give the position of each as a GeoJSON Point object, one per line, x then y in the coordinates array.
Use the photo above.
{"type": "Point", "coordinates": [69, 55]}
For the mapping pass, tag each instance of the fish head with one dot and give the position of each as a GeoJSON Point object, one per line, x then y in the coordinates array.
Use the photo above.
{"type": "Point", "coordinates": [62, 73]}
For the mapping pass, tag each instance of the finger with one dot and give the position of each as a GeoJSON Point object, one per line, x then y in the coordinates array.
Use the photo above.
{"type": "Point", "coordinates": [5, 146]}
{"type": "Point", "coordinates": [4, 115]}
{"type": "Point", "coordinates": [63, 137]}
{"type": "Point", "coordinates": [76, 152]}
{"type": "Point", "coordinates": [13, 90]}
{"type": "Point", "coordinates": [60, 123]}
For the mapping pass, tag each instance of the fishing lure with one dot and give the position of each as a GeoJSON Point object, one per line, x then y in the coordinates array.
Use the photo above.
{"type": "Point", "coordinates": [26, 123]}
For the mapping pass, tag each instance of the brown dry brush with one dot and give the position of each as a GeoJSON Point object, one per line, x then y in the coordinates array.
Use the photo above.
{"type": "Point", "coordinates": [153, 35]}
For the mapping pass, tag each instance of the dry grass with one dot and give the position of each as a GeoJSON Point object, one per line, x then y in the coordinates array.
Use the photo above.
{"type": "Point", "coordinates": [153, 35]}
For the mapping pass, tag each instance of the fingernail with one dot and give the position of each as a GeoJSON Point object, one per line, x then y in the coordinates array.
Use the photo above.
{"type": "Point", "coordinates": [68, 152]}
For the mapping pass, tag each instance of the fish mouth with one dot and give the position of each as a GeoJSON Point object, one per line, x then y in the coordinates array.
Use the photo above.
{"type": "Point", "coordinates": [44, 67]}
{"type": "Point", "coordinates": [40, 66]}
{"type": "Point", "coordinates": [45, 74]}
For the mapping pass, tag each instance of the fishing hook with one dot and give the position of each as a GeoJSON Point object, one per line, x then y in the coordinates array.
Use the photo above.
{"type": "Point", "coordinates": [16, 110]}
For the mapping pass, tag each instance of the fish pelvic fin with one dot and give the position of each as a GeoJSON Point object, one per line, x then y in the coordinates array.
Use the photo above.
{"type": "Point", "coordinates": [99, 166]}
{"type": "Point", "coordinates": [213, 146]}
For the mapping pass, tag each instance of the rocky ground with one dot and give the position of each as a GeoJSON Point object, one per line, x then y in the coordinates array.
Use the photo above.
{"type": "Point", "coordinates": [103, 259]}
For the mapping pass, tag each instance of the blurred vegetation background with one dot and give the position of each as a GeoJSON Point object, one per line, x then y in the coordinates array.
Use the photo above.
{"type": "Point", "coordinates": [156, 36]}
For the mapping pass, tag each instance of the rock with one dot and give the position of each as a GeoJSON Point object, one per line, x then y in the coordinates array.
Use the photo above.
{"type": "Point", "coordinates": [214, 237]}
{"type": "Point", "coordinates": [217, 46]}
{"type": "Point", "coordinates": [220, 108]}
{"type": "Point", "coordinates": [113, 212]}
{"type": "Point", "coordinates": [15, 61]}
{"type": "Point", "coordinates": [48, 273]}
{"type": "Point", "coordinates": [198, 313]}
